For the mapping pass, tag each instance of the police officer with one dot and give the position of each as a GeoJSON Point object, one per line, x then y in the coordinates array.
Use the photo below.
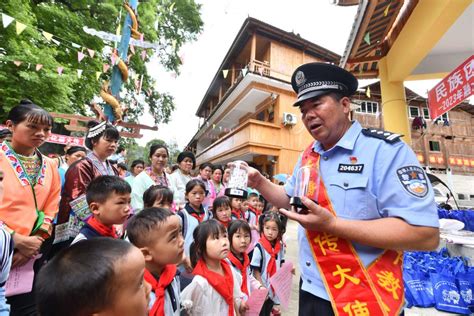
{"type": "Point", "coordinates": [381, 196]}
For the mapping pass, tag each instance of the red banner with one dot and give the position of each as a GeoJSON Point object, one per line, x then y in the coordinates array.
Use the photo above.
{"type": "Point", "coordinates": [61, 139]}
{"type": "Point", "coordinates": [453, 89]}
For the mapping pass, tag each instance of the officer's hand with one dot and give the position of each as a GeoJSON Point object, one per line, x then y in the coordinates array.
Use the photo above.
{"type": "Point", "coordinates": [318, 218]}
{"type": "Point", "coordinates": [254, 176]}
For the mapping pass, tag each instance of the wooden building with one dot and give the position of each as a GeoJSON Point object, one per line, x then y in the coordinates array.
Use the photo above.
{"type": "Point", "coordinates": [247, 112]}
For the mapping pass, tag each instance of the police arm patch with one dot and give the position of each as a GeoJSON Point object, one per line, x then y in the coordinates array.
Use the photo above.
{"type": "Point", "coordinates": [413, 180]}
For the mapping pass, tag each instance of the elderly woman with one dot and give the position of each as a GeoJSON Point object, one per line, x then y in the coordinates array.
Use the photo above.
{"type": "Point", "coordinates": [181, 176]}
{"type": "Point", "coordinates": [155, 174]}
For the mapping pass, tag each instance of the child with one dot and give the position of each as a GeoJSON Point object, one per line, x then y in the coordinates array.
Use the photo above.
{"type": "Point", "coordinates": [157, 233]}
{"type": "Point", "coordinates": [6, 254]}
{"type": "Point", "coordinates": [109, 201]}
{"type": "Point", "coordinates": [251, 212]}
{"type": "Point", "coordinates": [100, 276]}
{"type": "Point", "coordinates": [236, 205]}
{"type": "Point", "coordinates": [192, 214]}
{"type": "Point", "coordinates": [215, 288]}
{"type": "Point", "coordinates": [240, 238]}
{"type": "Point", "coordinates": [221, 210]}
{"type": "Point", "coordinates": [267, 258]}
{"type": "Point", "coordinates": [158, 196]}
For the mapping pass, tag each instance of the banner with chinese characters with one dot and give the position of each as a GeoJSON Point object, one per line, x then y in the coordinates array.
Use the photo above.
{"type": "Point", "coordinates": [61, 139]}
{"type": "Point", "coordinates": [453, 89]}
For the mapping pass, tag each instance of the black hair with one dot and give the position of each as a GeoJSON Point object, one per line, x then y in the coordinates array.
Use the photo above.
{"type": "Point", "coordinates": [205, 165]}
{"type": "Point", "coordinates": [61, 288]}
{"type": "Point", "coordinates": [110, 133]}
{"type": "Point", "coordinates": [217, 167]}
{"type": "Point", "coordinates": [206, 229]}
{"type": "Point", "coordinates": [237, 225]}
{"type": "Point", "coordinates": [26, 110]}
{"type": "Point", "coordinates": [102, 187]}
{"type": "Point", "coordinates": [186, 154]}
{"type": "Point", "coordinates": [75, 149]}
{"type": "Point", "coordinates": [122, 166]}
{"type": "Point", "coordinates": [136, 163]}
{"type": "Point", "coordinates": [156, 192]}
{"type": "Point", "coordinates": [155, 147]}
{"type": "Point", "coordinates": [220, 202]}
{"type": "Point", "coordinates": [142, 224]}
{"type": "Point", "coordinates": [253, 194]}
{"type": "Point", "coordinates": [193, 183]}
{"type": "Point", "coordinates": [277, 218]}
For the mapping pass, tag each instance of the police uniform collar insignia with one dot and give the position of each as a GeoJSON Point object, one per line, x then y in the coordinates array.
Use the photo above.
{"type": "Point", "coordinates": [413, 180]}
{"type": "Point", "coordinates": [389, 137]}
{"type": "Point", "coordinates": [300, 79]}
{"type": "Point", "coordinates": [353, 159]}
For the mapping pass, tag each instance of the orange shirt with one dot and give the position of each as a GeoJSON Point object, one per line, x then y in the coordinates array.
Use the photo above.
{"type": "Point", "coordinates": [17, 208]}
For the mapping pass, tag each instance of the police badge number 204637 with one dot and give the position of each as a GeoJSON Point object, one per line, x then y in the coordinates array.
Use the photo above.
{"type": "Point", "coordinates": [413, 180]}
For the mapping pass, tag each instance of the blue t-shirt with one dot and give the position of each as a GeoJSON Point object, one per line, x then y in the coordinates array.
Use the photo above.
{"type": "Point", "coordinates": [367, 178]}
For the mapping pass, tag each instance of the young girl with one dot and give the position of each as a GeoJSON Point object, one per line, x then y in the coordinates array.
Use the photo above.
{"type": "Point", "coordinates": [267, 258]}
{"type": "Point", "coordinates": [236, 205]}
{"type": "Point", "coordinates": [192, 214]}
{"type": "Point", "coordinates": [221, 210]}
{"type": "Point", "coordinates": [215, 288]}
{"type": "Point", "coordinates": [158, 196]}
{"type": "Point", "coordinates": [240, 238]}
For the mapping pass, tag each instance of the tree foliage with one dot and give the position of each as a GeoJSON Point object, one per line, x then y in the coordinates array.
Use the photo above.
{"type": "Point", "coordinates": [169, 23]}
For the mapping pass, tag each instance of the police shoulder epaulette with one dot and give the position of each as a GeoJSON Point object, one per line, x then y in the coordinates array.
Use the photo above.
{"type": "Point", "coordinates": [389, 137]}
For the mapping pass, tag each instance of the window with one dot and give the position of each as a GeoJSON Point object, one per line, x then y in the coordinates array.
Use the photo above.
{"type": "Point", "coordinates": [462, 196]}
{"type": "Point", "coordinates": [426, 113]}
{"type": "Point", "coordinates": [261, 116]}
{"type": "Point", "coordinates": [368, 107]}
{"type": "Point", "coordinates": [414, 111]}
{"type": "Point", "coordinates": [471, 196]}
{"type": "Point", "coordinates": [434, 146]}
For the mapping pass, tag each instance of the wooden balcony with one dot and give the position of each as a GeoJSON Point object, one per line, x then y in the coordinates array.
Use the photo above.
{"type": "Point", "coordinates": [249, 138]}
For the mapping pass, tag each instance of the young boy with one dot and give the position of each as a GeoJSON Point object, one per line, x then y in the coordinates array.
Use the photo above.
{"type": "Point", "coordinates": [108, 198]}
{"type": "Point", "coordinates": [157, 233]}
{"type": "Point", "coordinates": [251, 212]}
{"type": "Point", "coordinates": [100, 276]}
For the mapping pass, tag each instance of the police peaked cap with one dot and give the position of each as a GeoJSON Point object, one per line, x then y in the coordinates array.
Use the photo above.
{"type": "Point", "coordinates": [315, 79]}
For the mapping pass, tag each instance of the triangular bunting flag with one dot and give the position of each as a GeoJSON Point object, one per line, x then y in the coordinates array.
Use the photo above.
{"type": "Point", "coordinates": [105, 67]}
{"type": "Point", "coordinates": [47, 35]}
{"type": "Point", "coordinates": [367, 38]}
{"type": "Point", "coordinates": [97, 74]}
{"type": "Point", "coordinates": [79, 73]}
{"type": "Point", "coordinates": [80, 56]}
{"type": "Point", "coordinates": [385, 12]}
{"type": "Point", "coordinates": [244, 71]}
{"type": "Point", "coordinates": [55, 41]}
{"type": "Point", "coordinates": [141, 37]}
{"type": "Point", "coordinates": [132, 49]}
{"type": "Point", "coordinates": [225, 72]}
{"type": "Point", "coordinates": [91, 52]}
{"type": "Point", "coordinates": [38, 67]}
{"type": "Point", "coordinates": [213, 126]}
{"type": "Point", "coordinates": [6, 20]}
{"type": "Point", "coordinates": [60, 70]}
{"type": "Point", "coordinates": [17, 63]}
{"type": "Point", "coordinates": [20, 27]}
{"type": "Point", "coordinates": [143, 54]}
{"type": "Point", "coordinates": [367, 92]}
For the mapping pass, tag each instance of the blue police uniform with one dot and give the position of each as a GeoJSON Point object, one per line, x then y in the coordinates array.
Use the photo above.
{"type": "Point", "coordinates": [368, 175]}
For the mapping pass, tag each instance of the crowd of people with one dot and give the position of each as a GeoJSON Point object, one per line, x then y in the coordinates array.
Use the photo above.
{"type": "Point", "coordinates": [82, 235]}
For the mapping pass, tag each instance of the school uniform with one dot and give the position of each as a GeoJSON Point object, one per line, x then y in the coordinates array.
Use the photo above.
{"type": "Point", "coordinates": [236, 214]}
{"type": "Point", "coordinates": [250, 216]}
{"type": "Point", "coordinates": [262, 260]}
{"type": "Point", "coordinates": [247, 281]}
{"type": "Point", "coordinates": [165, 294]}
{"type": "Point", "coordinates": [93, 229]}
{"type": "Point", "coordinates": [190, 219]}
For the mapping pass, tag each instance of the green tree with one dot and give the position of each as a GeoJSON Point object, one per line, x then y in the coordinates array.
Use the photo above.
{"type": "Point", "coordinates": [169, 23]}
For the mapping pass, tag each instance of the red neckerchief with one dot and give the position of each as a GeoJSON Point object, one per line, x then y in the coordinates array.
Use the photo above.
{"type": "Point", "coordinates": [242, 267]}
{"type": "Point", "coordinates": [191, 211]}
{"type": "Point", "coordinates": [224, 285]}
{"type": "Point", "coordinates": [226, 224]}
{"type": "Point", "coordinates": [237, 213]}
{"type": "Point", "coordinates": [101, 228]}
{"type": "Point", "coordinates": [159, 288]}
{"type": "Point", "coordinates": [251, 209]}
{"type": "Point", "coordinates": [271, 266]}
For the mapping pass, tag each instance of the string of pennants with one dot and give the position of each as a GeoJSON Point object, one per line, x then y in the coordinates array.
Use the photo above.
{"type": "Point", "coordinates": [82, 51]}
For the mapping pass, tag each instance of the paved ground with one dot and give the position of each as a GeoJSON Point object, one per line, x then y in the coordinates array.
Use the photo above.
{"type": "Point", "coordinates": [292, 255]}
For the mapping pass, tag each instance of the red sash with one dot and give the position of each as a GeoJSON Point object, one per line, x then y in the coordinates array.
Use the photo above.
{"type": "Point", "coordinates": [242, 267]}
{"type": "Point", "coordinates": [101, 228]}
{"type": "Point", "coordinates": [224, 285]}
{"type": "Point", "coordinates": [159, 288]}
{"type": "Point", "coordinates": [353, 288]}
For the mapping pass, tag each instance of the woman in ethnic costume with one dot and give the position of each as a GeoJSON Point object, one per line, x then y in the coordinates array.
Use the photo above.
{"type": "Point", "coordinates": [102, 139]}
{"type": "Point", "coordinates": [31, 192]}
{"type": "Point", "coordinates": [153, 175]}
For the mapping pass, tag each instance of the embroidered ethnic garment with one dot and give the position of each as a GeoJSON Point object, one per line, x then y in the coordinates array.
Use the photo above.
{"type": "Point", "coordinates": [353, 289]}
{"type": "Point", "coordinates": [159, 288]}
